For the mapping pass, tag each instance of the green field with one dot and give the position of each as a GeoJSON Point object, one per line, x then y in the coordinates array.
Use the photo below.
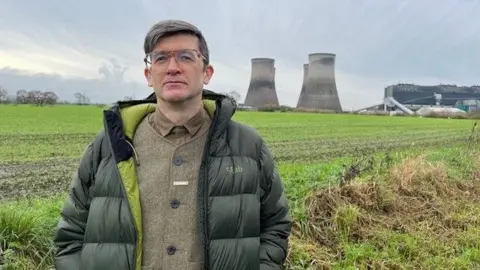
{"type": "Point", "coordinates": [364, 191]}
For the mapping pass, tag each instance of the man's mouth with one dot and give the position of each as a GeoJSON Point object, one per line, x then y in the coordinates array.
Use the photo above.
{"type": "Point", "coordinates": [174, 82]}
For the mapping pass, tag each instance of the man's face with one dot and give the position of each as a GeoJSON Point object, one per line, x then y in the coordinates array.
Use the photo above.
{"type": "Point", "coordinates": [177, 72]}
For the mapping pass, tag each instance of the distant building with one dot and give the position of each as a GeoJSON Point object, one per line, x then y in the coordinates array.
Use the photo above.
{"type": "Point", "coordinates": [437, 95]}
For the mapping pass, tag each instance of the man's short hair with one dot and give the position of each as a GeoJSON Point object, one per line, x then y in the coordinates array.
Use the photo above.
{"type": "Point", "coordinates": [167, 28]}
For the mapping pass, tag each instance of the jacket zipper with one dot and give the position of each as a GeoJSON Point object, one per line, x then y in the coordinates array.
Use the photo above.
{"type": "Point", "coordinates": [205, 187]}
{"type": "Point", "coordinates": [109, 141]}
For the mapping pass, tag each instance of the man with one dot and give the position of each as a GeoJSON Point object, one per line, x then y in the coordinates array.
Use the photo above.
{"type": "Point", "coordinates": [172, 182]}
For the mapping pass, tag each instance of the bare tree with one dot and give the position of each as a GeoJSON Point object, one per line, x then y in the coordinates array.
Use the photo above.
{"type": "Point", "coordinates": [234, 95]}
{"type": "Point", "coordinates": [36, 97]}
{"type": "Point", "coordinates": [31, 97]}
{"type": "Point", "coordinates": [3, 95]}
{"type": "Point", "coordinates": [22, 97]}
{"type": "Point", "coordinates": [81, 98]}
{"type": "Point", "coordinates": [50, 98]}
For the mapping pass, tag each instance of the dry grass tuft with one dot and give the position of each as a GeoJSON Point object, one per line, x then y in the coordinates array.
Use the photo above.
{"type": "Point", "coordinates": [417, 197]}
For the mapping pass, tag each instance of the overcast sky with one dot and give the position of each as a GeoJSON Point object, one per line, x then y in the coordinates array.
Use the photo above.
{"type": "Point", "coordinates": [68, 46]}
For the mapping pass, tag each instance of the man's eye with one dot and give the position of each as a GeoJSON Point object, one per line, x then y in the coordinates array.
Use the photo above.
{"type": "Point", "coordinates": [160, 58]}
{"type": "Point", "coordinates": [186, 57]}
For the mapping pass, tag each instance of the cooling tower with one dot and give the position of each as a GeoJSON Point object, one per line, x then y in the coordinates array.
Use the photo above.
{"type": "Point", "coordinates": [304, 85]}
{"type": "Point", "coordinates": [261, 91]}
{"type": "Point", "coordinates": [321, 90]}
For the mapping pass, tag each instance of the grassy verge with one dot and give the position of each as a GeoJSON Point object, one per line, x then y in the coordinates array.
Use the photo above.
{"type": "Point", "coordinates": [26, 233]}
{"type": "Point", "coordinates": [412, 209]}
{"type": "Point", "coordinates": [415, 210]}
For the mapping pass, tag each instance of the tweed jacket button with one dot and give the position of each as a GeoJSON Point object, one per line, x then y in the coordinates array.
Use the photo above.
{"type": "Point", "coordinates": [171, 250]}
{"type": "Point", "coordinates": [175, 203]}
{"type": "Point", "coordinates": [178, 161]}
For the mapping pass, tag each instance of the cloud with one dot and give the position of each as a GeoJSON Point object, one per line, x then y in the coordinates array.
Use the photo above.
{"type": "Point", "coordinates": [376, 42]}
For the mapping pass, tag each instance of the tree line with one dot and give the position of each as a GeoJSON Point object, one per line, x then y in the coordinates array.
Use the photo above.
{"type": "Point", "coordinates": [37, 97]}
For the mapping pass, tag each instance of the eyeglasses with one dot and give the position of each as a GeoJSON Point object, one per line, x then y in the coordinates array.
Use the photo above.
{"type": "Point", "coordinates": [186, 56]}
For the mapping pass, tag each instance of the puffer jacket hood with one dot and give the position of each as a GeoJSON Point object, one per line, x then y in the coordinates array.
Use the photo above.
{"type": "Point", "coordinates": [123, 117]}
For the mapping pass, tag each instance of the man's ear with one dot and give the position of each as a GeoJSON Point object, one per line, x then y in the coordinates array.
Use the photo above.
{"type": "Point", "coordinates": [208, 73]}
{"type": "Point", "coordinates": [148, 76]}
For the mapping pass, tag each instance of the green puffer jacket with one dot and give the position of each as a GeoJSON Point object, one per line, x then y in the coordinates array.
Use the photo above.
{"type": "Point", "coordinates": [101, 224]}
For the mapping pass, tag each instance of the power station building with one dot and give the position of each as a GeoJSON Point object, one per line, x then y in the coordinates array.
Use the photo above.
{"type": "Point", "coordinates": [436, 95]}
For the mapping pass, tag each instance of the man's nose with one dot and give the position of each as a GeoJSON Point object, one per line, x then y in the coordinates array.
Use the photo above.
{"type": "Point", "coordinates": [172, 65]}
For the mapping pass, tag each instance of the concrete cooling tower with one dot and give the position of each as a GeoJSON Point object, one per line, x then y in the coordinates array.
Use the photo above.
{"type": "Point", "coordinates": [304, 85]}
{"type": "Point", "coordinates": [261, 91]}
{"type": "Point", "coordinates": [321, 90]}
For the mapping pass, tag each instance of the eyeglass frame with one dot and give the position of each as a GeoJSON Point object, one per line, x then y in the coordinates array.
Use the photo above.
{"type": "Point", "coordinates": [172, 53]}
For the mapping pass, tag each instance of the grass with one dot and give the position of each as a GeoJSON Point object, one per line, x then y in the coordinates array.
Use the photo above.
{"type": "Point", "coordinates": [365, 192]}
{"type": "Point", "coordinates": [26, 232]}
{"type": "Point", "coordinates": [63, 131]}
